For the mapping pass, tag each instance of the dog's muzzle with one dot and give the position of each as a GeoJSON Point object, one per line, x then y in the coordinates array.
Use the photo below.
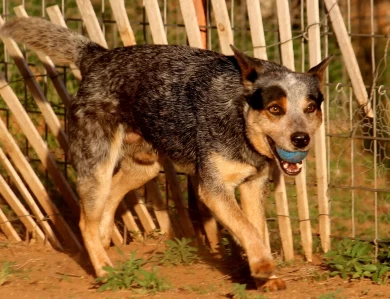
{"type": "Point", "coordinates": [289, 162]}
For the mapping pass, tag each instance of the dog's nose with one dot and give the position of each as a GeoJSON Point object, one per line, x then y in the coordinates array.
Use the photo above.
{"type": "Point", "coordinates": [300, 139]}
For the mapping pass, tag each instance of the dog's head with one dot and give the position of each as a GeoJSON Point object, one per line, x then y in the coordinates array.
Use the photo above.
{"type": "Point", "coordinates": [284, 109]}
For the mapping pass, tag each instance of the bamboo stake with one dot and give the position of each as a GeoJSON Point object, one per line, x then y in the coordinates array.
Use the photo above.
{"type": "Point", "coordinates": [191, 23]}
{"type": "Point", "coordinates": [36, 91]}
{"type": "Point", "coordinates": [122, 21]}
{"type": "Point", "coordinates": [349, 56]}
{"type": "Point", "coordinates": [224, 27]}
{"type": "Point", "coordinates": [160, 208]}
{"type": "Point", "coordinates": [20, 211]}
{"type": "Point", "coordinates": [56, 17]}
{"type": "Point", "coordinates": [280, 191]}
{"type": "Point", "coordinates": [300, 180]}
{"type": "Point", "coordinates": [192, 27]}
{"type": "Point", "coordinates": [155, 21]}
{"type": "Point", "coordinates": [313, 20]}
{"type": "Point", "coordinates": [29, 200]}
{"type": "Point", "coordinates": [202, 20]}
{"type": "Point", "coordinates": [117, 238]}
{"type": "Point", "coordinates": [259, 51]}
{"type": "Point", "coordinates": [49, 66]}
{"type": "Point", "coordinates": [283, 214]}
{"type": "Point", "coordinates": [7, 228]}
{"type": "Point", "coordinates": [142, 212]}
{"type": "Point", "coordinates": [129, 221]}
{"type": "Point", "coordinates": [11, 148]}
{"type": "Point", "coordinates": [178, 198]}
{"type": "Point", "coordinates": [38, 144]}
{"type": "Point", "coordinates": [257, 29]}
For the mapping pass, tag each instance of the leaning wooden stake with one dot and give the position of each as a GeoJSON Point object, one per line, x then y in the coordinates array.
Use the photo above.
{"type": "Point", "coordinates": [38, 144]}
{"type": "Point", "coordinates": [91, 22]}
{"type": "Point", "coordinates": [56, 17]}
{"type": "Point", "coordinates": [155, 21]}
{"type": "Point", "coordinates": [7, 228]}
{"type": "Point", "coordinates": [191, 23]}
{"type": "Point", "coordinates": [350, 61]}
{"type": "Point", "coordinates": [29, 176]}
{"type": "Point", "coordinates": [29, 200]}
{"type": "Point", "coordinates": [59, 84]}
{"type": "Point", "coordinates": [20, 211]}
{"type": "Point", "coordinates": [257, 29]}
{"type": "Point", "coordinates": [122, 21]}
{"type": "Point", "coordinates": [224, 27]}
{"type": "Point", "coordinates": [160, 208]}
{"type": "Point", "coordinates": [36, 91]}
{"type": "Point", "coordinates": [313, 20]}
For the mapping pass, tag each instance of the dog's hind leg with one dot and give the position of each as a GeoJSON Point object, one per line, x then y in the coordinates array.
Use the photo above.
{"type": "Point", "coordinates": [131, 175]}
{"type": "Point", "coordinates": [93, 186]}
{"type": "Point", "coordinates": [253, 195]}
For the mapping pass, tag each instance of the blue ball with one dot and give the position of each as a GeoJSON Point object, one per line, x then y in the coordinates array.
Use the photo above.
{"type": "Point", "coordinates": [291, 157]}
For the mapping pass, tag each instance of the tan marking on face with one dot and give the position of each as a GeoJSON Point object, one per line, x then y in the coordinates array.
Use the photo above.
{"type": "Point", "coordinates": [232, 172]}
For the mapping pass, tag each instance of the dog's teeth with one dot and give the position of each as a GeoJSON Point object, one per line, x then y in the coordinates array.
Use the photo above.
{"type": "Point", "coordinates": [299, 165]}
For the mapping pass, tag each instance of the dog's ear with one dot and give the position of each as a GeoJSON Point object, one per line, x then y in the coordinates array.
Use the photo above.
{"type": "Point", "coordinates": [320, 68]}
{"type": "Point", "coordinates": [250, 68]}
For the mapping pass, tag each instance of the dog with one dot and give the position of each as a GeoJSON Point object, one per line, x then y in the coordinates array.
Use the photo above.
{"type": "Point", "coordinates": [225, 119]}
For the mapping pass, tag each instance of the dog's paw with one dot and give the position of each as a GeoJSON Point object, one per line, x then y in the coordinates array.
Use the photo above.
{"type": "Point", "coordinates": [270, 285]}
{"type": "Point", "coordinates": [99, 269]}
{"type": "Point", "coordinates": [262, 269]}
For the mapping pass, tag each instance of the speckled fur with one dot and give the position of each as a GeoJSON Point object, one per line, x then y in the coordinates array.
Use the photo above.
{"type": "Point", "coordinates": [206, 112]}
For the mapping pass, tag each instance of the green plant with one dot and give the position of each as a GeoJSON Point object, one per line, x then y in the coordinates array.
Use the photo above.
{"type": "Point", "coordinates": [201, 290]}
{"type": "Point", "coordinates": [331, 295]}
{"type": "Point", "coordinates": [129, 274]}
{"type": "Point", "coordinates": [355, 260]}
{"type": "Point", "coordinates": [6, 271]}
{"type": "Point", "coordinates": [178, 252]}
{"type": "Point", "coordinates": [239, 291]}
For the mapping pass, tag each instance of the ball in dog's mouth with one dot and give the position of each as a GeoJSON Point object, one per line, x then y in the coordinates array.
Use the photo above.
{"type": "Point", "coordinates": [291, 157]}
{"type": "Point", "coordinates": [289, 162]}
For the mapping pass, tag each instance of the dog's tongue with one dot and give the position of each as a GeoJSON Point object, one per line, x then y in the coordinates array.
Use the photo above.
{"type": "Point", "coordinates": [292, 167]}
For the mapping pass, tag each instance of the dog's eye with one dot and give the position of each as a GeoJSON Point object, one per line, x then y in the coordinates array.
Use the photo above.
{"type": "Point", "coordinates": [275, 110]}
{"type": "Point", "coordinates": [311, 108]}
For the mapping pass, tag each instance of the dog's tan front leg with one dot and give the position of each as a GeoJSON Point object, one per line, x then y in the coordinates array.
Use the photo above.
{"type": "Point", "coordinates": [253, 195]}
{"type": "Point", "coordinates": [222, 203]}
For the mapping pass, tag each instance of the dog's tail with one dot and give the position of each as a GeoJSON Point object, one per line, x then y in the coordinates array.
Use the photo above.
{"type": "Point", "coordinates": [61, 44]}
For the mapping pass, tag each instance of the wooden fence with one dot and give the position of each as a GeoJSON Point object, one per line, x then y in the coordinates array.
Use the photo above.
{"type": "Point", "coordinates": [32, 203]}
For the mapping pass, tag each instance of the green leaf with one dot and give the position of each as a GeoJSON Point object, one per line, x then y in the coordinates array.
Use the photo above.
{"type": "Point", "coordinates": [339, 267]}
{"type": "Point", "coordinates": [370, 268]}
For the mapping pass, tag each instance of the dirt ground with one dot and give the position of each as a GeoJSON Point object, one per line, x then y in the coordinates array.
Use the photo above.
{"type": "Point", "coordinates": [46, 273]}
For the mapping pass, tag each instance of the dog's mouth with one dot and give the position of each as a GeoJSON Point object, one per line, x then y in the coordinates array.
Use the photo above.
{"type": "Point", "coordinates": [294, 164]}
